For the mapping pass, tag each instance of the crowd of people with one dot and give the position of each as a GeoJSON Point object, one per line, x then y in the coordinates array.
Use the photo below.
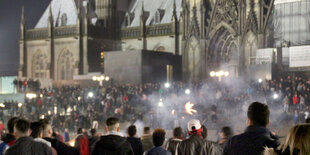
{"type": "Point", "coordinates": [21, 85]}
{"type": "Point", "coordinates": [37, 137]}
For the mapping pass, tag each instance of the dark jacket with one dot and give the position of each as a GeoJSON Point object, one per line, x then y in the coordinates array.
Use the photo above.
{"type": "Point", "coordinates": [194, 145]}
{"type": "Point", "coordinates": [172, 145]}
{"type": "Point", "coordinates": [158, 151]}
{"type": "Point", "coordinates": [213, 148]}
{"type": "Point", "coordinates": [112, 145]}
{"type": "Point", "coordinates": [136, 145]}
{"type": "Point", "coordinates": [92, 142]}
{"type": "Point", "coordinates": [27, 146]}
{"type": "Point", "coordinates": [62, 148]}
{"type": "Point", "coordinates": [252, 141]}
{"type": "Point", "coordinates": [9, 139]}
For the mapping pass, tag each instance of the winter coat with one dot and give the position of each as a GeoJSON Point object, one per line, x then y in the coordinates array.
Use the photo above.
{"type": "Point", "coordinates": [194, 145]}
{"type": "Point", "coordinates": [41, 140]}
{"type": "Point", "coordinates": [157, 151]}
{"type": "Point", "coordinates": [112, 145]}
{"type": "Point", "coordinates": [147, 142]}
{"type": "Point", "coordinates": [62, 148]}
{"type": "Point", "coordinates": [172, 145]}
{"type": "Point", "coordinates": [252, 141]}
{"type": "Point", "coordinates": [213, 148]}
{"type": "Point", "coordinates": [136, 145]}
{"type": "Point", "coordinates": [27, 146]}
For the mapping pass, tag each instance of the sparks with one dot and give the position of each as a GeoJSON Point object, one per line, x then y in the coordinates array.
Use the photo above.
{"type": "Point", "coordinates": [189, 108]}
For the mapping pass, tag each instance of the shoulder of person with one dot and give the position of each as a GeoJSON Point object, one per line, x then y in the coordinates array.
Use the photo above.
{"type": "Point", "coordinates": [269, 151]}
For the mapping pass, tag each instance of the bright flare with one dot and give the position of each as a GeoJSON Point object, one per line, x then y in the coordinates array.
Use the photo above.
{"type": "Point", "coordinates": [71, 143]}
{"type": "Point", "coordinates": [189, 108]}
{"type": "Point", "coordinates": [167, 85]}
{"type": "Point", "coordinates": [173, 112]}
{"type": "Point", "coordinates": [187, 91]}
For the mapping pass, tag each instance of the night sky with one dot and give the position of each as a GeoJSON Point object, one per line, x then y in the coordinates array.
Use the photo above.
{"type": "Point", "coordinates": [10, 15]}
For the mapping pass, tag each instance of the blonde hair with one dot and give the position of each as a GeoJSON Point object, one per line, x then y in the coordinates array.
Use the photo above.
{"type": "Point", "coordinates": [298, 138]}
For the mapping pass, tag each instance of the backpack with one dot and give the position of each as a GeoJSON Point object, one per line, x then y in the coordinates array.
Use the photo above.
{"type": "Point", "coordinates": [84, 146]}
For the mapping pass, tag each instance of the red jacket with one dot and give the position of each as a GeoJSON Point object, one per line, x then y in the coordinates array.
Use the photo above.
{"type": "Point", "coordinates": [295, 99]}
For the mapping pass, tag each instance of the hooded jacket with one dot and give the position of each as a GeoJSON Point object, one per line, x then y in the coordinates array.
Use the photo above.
{"type": "Point", "coordinates": [112, 145]}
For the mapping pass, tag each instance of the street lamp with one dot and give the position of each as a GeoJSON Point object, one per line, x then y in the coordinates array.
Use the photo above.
{"type": "Point", "coordinates": [90, 94]}
{"type": "Point", "coordinates": [19, 105]}
{"type": "Point", "coordinates": [219, 74]}
{"type": "Point", "coordinates": [187, 91]}
{"type": "Point", "coordinates": [100, 79]}
{"type": "Point", "coordinates": [167, 85]}
{"type": "Point", "coordinates": [260, 80]}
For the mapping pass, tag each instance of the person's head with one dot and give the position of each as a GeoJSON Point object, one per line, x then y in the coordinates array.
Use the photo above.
{"type": "Point", "coordinates": [226, 132]}
{"type": "Point", "coordinates": [178, 132]}
{"type": "Point", "coordinates": [258, 114]}
{"type": "Point", "coordinates": [147, 130]}
{"type": "Point", "coordinates": [112, 124]}
{"type": "Point", "coordinates": [131, 130]}
{"type": "Point", "coordinates": [47, 128]}
{"type": "Point", "coordinates": [11, 124]}
{"type": "Point", "coordinates": [204, 132]}
{"type": "Point", "coordinates": [79, 131]}
{"type": "Point", "coordinates": [21, 128]}
{"type": "Point", "coordinates": [298, 138]}
{"type": "Point", "coordinates": [158, 137]}
{"type": "Point", "coordinates": [36, 130]}
{"type": "Point", "coordinates": [194, 127]}
{"type": "Point", "coordinates": [93, 132]}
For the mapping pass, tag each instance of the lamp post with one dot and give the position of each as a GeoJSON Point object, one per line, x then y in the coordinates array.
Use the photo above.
{"type": "Point", "coordinates": [100, 79]}
{"type": "Point", "coordinates": [219, 74]}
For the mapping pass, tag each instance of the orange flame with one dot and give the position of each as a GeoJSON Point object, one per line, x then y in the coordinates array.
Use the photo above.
{"type": "Point", "coordinates": [189, 108]}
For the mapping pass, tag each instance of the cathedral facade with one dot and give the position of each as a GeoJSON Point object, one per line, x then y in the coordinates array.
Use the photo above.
{"type": "Point", "coordinates": [72, 36]}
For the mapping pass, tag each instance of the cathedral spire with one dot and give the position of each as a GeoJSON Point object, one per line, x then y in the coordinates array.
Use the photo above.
{"type": "Point", "coordinates": [23, 16]}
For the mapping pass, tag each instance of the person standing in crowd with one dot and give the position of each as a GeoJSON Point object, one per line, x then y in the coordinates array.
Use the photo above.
{"type": "Point", "coordinates": [194, 145]}
{"type": "Point", "coordinates": [297, 142]}
{"type": "Point", "coordinates": [256, 136]}
{"type": "Point", "coordinates": [225, 134]}
{"type": "Point", "coordinates": [93, 139]}
{"type": "Point", "coordinates": [66, 135]}
{"type": "Point", "coordinates": [82, 143]}
{"type": "Point", "coordinates": [146, 138]}
{"type": "Point", "coordinates": [59, 146]}
{"type": "Point", "coordinates": [158, 140]}
{"type": "Point", "coordinates": [25, 145]}
{"type": "Point", "coordinates": [135, 142]}
{"type": "Point", "coordinates": [37, 134]}
{"type": "Point", "coordinates": [172, 143]}
{"type": "Point", "coordinates": [211, 148]}
{"type": "Point", "coordinates": [112, 142]}
{"type": "Point", "coordinates": [9, 138]}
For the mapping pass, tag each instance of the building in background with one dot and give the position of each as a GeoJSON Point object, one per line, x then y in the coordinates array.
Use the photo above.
{"type": "Point", "coordinates": [72, 36]}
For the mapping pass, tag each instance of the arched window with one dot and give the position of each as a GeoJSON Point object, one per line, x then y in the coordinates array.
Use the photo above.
{"type": "Point", "coordinates": [65, 66]}
{"type": "Point", "coordinates": [39, 65]}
